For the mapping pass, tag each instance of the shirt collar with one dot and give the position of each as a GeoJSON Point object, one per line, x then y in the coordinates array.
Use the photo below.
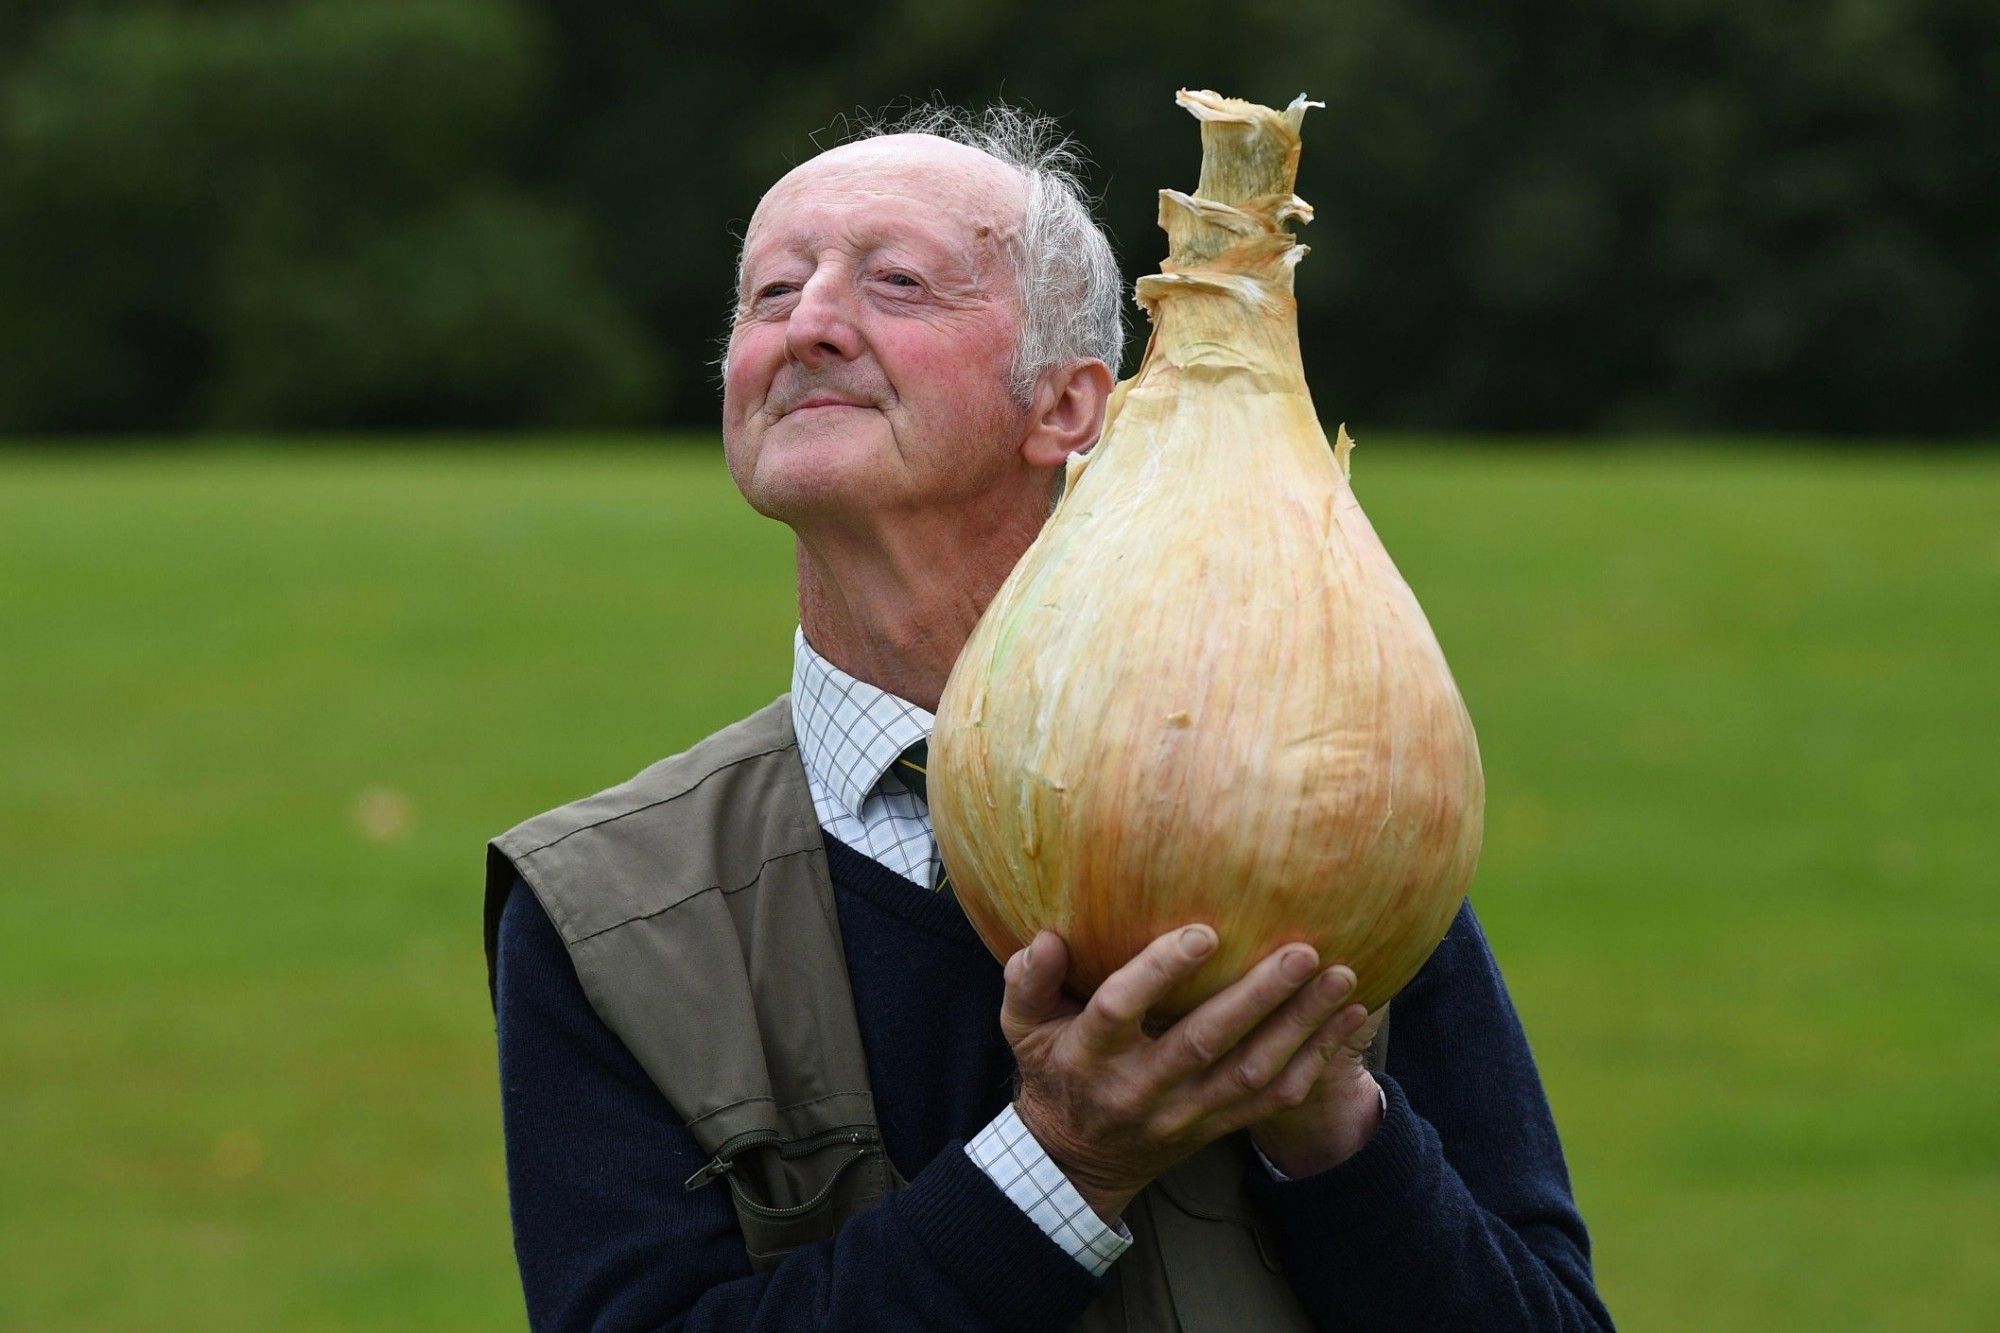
{"type": "Point", "coordinates": [849, 731]}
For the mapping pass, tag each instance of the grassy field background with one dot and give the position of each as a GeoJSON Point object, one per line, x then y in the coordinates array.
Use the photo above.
{"type": "Point", "coordinates": [259, 710]}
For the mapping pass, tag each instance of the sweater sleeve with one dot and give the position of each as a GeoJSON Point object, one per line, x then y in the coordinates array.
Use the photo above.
{"type": "Point", "coordinates": [606, 1237]}
{"type": "Point", "coordinates": [1458, 1213]}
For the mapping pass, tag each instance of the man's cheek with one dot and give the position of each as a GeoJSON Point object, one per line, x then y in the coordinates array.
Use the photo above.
{"type": "Point", "coordinates": [749, 363]}
{"type": "Point", "coordinates": [951, 373]}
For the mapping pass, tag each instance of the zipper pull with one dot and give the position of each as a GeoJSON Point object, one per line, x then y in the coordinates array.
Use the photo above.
{"type": "Point", "coordinates": [719, 1165]}
{"type": "Point", "coordinates": [806, 1147]}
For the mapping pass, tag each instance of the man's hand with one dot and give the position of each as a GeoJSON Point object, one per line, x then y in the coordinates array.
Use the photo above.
{"type": "Point", "coordinates": [1114, 1107]}
{"type": "Point", "coordinates": [1343, 1110]}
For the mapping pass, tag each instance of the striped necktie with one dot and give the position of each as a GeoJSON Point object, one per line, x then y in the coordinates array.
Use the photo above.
{"type": "Point", "coordinates": [913, 767]}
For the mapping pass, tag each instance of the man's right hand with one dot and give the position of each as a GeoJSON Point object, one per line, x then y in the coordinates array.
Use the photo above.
{"type": "Point", "coordinates": [1114, 1107]}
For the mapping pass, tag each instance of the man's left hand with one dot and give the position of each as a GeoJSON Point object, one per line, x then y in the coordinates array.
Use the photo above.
{"type": "Point", "coordinates": [1340, 1115]}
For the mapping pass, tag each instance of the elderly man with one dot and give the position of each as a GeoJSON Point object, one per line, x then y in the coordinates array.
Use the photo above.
{"type": "Point", "coordinates": [758, 1072]}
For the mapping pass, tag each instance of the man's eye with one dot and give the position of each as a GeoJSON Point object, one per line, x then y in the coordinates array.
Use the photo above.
{"type": "Point", "coordinates": [900, 280]}
{"type": "Point", "coordinates": [774, 289]}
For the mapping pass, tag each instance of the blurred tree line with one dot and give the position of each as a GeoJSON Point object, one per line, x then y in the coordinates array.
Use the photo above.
{"type": "Point", "coordinates": [1743, 214]}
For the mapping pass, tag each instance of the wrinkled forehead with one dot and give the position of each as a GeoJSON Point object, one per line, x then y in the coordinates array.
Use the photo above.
{"type": "Point", "coordinates": [954, 195]}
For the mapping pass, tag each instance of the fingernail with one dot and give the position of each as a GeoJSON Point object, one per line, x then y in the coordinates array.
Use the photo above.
{"type": "Point", "coordinates": [1197, 941]}
{"type": "Point", "coordinates": [1028, 956]}
{"type": "Point", "coordinates": [1297, 965]}
{"type": "Point", "coordinates": [1339, 981]}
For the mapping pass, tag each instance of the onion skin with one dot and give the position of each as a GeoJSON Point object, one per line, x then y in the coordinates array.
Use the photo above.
{"type": "Point", "coordinates": [1205, 693]}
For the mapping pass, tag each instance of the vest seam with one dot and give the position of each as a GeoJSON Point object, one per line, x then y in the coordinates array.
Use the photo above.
{"type": "Point", "coordinates": [723, 889]}
{"type": "Point", "coordinates": [743, 1101]}
{"type": "Point", "coordinates": [775, 1104]}
{"type": "Point", "coordinates": [653, 804]}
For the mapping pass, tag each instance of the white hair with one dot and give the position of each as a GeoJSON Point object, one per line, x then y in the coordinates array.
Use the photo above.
{"type": "Point", "coordinates": [1071, 292]}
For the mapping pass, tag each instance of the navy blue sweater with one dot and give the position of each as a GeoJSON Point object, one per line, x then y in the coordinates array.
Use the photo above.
{"type": "Point", "coordinates": [1457, 1214]}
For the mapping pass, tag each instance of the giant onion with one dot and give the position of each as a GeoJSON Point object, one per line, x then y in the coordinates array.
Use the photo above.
{"type": "Point", "coordinates": [1205, 693]}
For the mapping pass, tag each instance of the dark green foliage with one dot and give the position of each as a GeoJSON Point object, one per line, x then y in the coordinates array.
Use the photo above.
{"type": "Point", "coordinates": [1685, 213]}
{"type": "Point", "coordinates": [311, 214]}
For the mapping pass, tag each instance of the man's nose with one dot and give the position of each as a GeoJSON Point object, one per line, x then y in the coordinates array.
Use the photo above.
{"type": "Point", "coordinates": [821, 326]}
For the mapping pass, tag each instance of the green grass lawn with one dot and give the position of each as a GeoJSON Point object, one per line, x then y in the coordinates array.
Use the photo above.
{"type": "Point", "coordinates": [260, 710]}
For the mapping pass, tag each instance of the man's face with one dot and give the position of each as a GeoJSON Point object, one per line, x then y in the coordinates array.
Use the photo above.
{"type": "Point", "coordinates": [875, 331]}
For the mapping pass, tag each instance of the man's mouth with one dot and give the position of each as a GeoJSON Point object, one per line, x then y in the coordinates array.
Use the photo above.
{"type": "Point", "coordinates": [823, 400]}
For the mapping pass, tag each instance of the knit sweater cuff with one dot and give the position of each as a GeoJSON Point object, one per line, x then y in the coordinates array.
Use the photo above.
{"type": "Point", "coordinates": [1394, 1170]}
{"type": "Point", "coordinates": [992, 1250]}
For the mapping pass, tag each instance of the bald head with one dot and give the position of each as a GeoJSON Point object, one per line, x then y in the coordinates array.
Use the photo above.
{"type": "Point", "coordinates": [969, 203]}
{"type": "Point", "coordinates": [1016, 181]}
{"type": "Point", "coordinates": [951, 178]}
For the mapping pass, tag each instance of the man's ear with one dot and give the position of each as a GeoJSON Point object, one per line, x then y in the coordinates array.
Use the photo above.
{"type": "Point", "coordinates": [1068, 412]}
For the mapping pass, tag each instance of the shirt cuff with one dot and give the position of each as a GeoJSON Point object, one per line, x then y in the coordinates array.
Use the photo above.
{"type": "Point", "coordinates": [1271, 1166]}
{"type": "Point", "coordinates": [1013, 1159]}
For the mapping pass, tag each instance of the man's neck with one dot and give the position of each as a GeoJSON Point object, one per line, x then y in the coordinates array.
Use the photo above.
{"type": "Point", "coordinates": [894, 609]}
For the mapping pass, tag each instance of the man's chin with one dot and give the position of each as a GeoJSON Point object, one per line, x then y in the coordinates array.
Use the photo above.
{"type": "Point", "coordinates": [816, 481]}
{"type": "Point", "coordinates": [798, 507]}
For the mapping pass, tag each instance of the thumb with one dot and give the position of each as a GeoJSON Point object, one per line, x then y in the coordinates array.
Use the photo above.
{"type": "Point", "coordinates": [1034, 987]}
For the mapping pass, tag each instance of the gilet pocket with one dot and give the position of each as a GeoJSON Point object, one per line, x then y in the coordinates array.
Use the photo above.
{"type": "Point", "coordinates": [792, 1194]}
